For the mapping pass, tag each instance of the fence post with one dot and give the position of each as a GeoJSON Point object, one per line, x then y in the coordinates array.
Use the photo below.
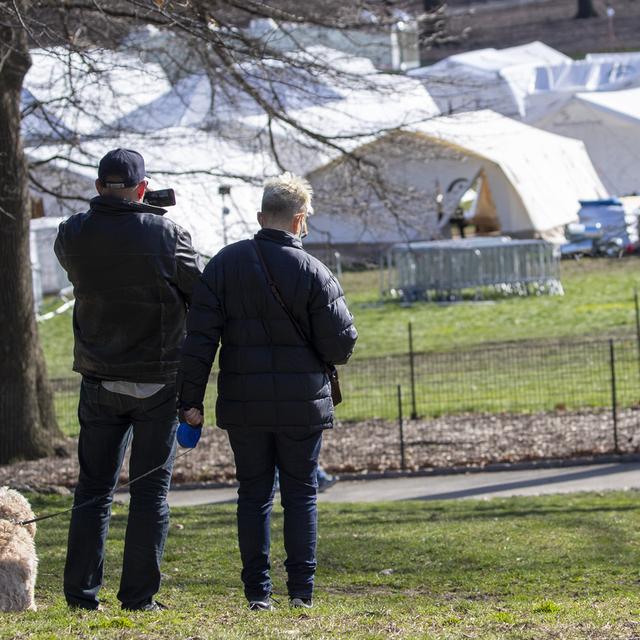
{"type": "Point", "coordinates": [412, 373]}
{"type": "Point", "coordinates": [614, 398]}
{"type": "Point", "coordinates": [635, 299]}
{"type": "Point", "coordinates": [401, 427]}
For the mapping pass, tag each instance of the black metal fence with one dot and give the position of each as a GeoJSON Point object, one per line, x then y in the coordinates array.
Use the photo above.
{"type": "Point", "coordinates": [505, 403]}
{"type": "Point", "coordinates": [513, 377]}
{"type": "Point", "coordinates": [473, 406]}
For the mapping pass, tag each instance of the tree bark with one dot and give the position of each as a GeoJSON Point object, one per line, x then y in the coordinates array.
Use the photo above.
{"type": "Point", "coordinates": [28, 427]}
{"type": "Point", "coordinates": [432, 25]}
{"type": "Point", "coordinates": [586, 9]}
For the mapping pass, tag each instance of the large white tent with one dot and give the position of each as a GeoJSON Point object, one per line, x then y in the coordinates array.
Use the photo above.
{"type": "Point", "coordinates": [38, 124]}
{"type": "Point", "coordinates": [173, 132]}
{"type": "Point", "coordinates": [553, 85]}
{"type": "Point", "coordinates": [609, 125]}
{"type": "Point", "coordinates": [597, 72]}
{"type": "Point", "coordinates": [496, 79]}
{"type": "Point", "coordinates": [524, 82]}
{"type": "Point", "coordinates": [52, 276]}
{"type": "Point", "coordinates": [195, 102]}
{"type": "Point", "coordinates": [529, 182]}
{"type": "Point", "coordinates": [88, 91]}
{"type": "Point", "coordinates": [351, 102]}
{"type": "Point", "coordinates": [367, 104]}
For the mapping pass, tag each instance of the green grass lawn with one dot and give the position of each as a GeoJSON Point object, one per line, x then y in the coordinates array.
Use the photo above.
{"type": "Point", "coordinates": [598, 299]}
{"type": "Point", "coordinates": [453, 378]}
{"type": "Point", "coordinates": [528, 568]}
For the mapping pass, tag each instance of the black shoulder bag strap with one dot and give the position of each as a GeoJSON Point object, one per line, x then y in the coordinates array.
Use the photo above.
{"type": "Point", "coordinates": [330, 369]}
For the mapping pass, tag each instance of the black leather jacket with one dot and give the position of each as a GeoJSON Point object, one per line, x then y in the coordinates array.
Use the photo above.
{"type": "Point", "coordinates": [269, 376]}
{"type": "Point", "coordinates": [133, 273]}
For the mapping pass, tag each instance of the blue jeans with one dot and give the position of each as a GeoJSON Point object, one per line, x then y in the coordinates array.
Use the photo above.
{"type": "Point", "coordinates": [108, 421]}
{"type": "Point", "coordinates": [321, 476]}
{"type": "Point", "coordinates": [257, 453]}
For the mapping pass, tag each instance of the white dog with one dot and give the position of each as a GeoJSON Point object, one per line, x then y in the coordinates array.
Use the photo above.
{"type": "Point", "coordinates": [18, 560]}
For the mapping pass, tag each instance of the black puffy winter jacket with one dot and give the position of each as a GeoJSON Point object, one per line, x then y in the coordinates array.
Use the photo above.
{"type": "Point", "coordinates": [133, 273]}
{"type": "Point", "coordinates": [269, 377]}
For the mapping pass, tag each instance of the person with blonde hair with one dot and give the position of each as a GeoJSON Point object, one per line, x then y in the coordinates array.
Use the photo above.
{"type": "Point", "coordinates": [282, 322]}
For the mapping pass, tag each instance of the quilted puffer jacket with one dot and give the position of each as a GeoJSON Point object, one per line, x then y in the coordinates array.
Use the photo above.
{"type": "Point", "coordinates": [269, 376]}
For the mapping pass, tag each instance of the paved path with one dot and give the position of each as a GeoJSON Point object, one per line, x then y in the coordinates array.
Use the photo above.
{"type": "Point", "coordinates": [528, 482]}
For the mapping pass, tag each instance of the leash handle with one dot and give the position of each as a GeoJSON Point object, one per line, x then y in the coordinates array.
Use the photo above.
{"type": "Point", "coordinates": [24, 523]}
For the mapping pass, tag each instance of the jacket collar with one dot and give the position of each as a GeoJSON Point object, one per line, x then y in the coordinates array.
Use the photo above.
{"type": "Point", "coordinates": [115, 206]}
{"type": "Point", "coordinates": [279, 237]}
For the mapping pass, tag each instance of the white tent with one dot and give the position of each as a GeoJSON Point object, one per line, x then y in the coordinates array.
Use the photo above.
{"type": "Point", "coordinates": [367, 104]}
{"type": "Point", "coordinates": [352, 101]}
{"type": "Point", "coordinates": [529, 182]}
{"type": "Point", "coordinates": [609, 125]}
{"type": "Point", "coordinates": [355, 103]}
{"type": "Point", "coordinates": [554, 85]}
{"type": "Point", "coordinates": [53, 277]}
{"type": "Point", "coordinates": [496, 79]}
{"type": "Point", "coordinates": [38, 124]}
{"type": "Point", "coordinates": [194, 102]}
{"type": "Point", "coordinates": [526, 81]}
{"type": "Point", "coordinates": [86, 92]}
{"type": "Point", "coordinates": [601, 72]}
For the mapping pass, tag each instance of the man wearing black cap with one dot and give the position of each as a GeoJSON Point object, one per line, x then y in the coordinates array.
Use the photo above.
{"type": "Point", "coordinates": [133, 274]}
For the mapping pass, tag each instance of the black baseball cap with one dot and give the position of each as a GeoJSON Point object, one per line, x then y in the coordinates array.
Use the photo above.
{"type": "Point", "coordinates": [126, 165]}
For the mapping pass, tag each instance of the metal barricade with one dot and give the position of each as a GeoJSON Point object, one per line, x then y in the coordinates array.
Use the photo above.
{"type": "Point", "coordinates": [444, 269]}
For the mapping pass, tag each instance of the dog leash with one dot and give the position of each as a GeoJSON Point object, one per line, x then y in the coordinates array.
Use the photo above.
{"type": "Point", "coordinates": [24, 523]}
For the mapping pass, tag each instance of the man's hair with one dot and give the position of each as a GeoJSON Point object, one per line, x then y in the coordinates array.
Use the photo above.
{"type": "Point", "coordinates": [285, 196]}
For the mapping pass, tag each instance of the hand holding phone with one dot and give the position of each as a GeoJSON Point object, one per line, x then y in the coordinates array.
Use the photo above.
{"type": "Point", "coordinates": [160, 198]}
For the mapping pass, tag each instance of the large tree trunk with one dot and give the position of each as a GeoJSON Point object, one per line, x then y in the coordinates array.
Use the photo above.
{"type": "Point", "coordinates": [28, 427]}
{"type": "Point", "coordinates": [586, 9]}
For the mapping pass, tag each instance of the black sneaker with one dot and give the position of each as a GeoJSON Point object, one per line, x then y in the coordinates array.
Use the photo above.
{"type": "Point", "coordinates": [154, 605]}
{"type": "Point", "coordinates": [81, 607]}
{"type": "Point", "coordinates": [301, 603]}
{"type": "Point", "coordinates": [326, 483]}
{"type": "Point", "coordinates": [261, 605]}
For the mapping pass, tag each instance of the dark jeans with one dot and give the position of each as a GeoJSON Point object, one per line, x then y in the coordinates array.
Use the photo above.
{"type": "Point", "coordinates": [108, 421]}
{"type": "Point", "coordinates": [257, 453]}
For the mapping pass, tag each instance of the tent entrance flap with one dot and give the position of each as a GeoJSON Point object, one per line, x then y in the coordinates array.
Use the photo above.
{"type": "Point", "coordinates": [485, 214]}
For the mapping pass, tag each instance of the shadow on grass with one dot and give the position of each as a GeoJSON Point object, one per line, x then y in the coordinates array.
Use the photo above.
{"type": "Point", "coordinates": [557, 478]}
{"type": "Point", "coordinates": [437, 514]}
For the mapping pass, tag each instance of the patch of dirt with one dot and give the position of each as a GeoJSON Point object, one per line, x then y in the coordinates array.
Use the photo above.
{"type": "Point", "coordinates": [374, 446]}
